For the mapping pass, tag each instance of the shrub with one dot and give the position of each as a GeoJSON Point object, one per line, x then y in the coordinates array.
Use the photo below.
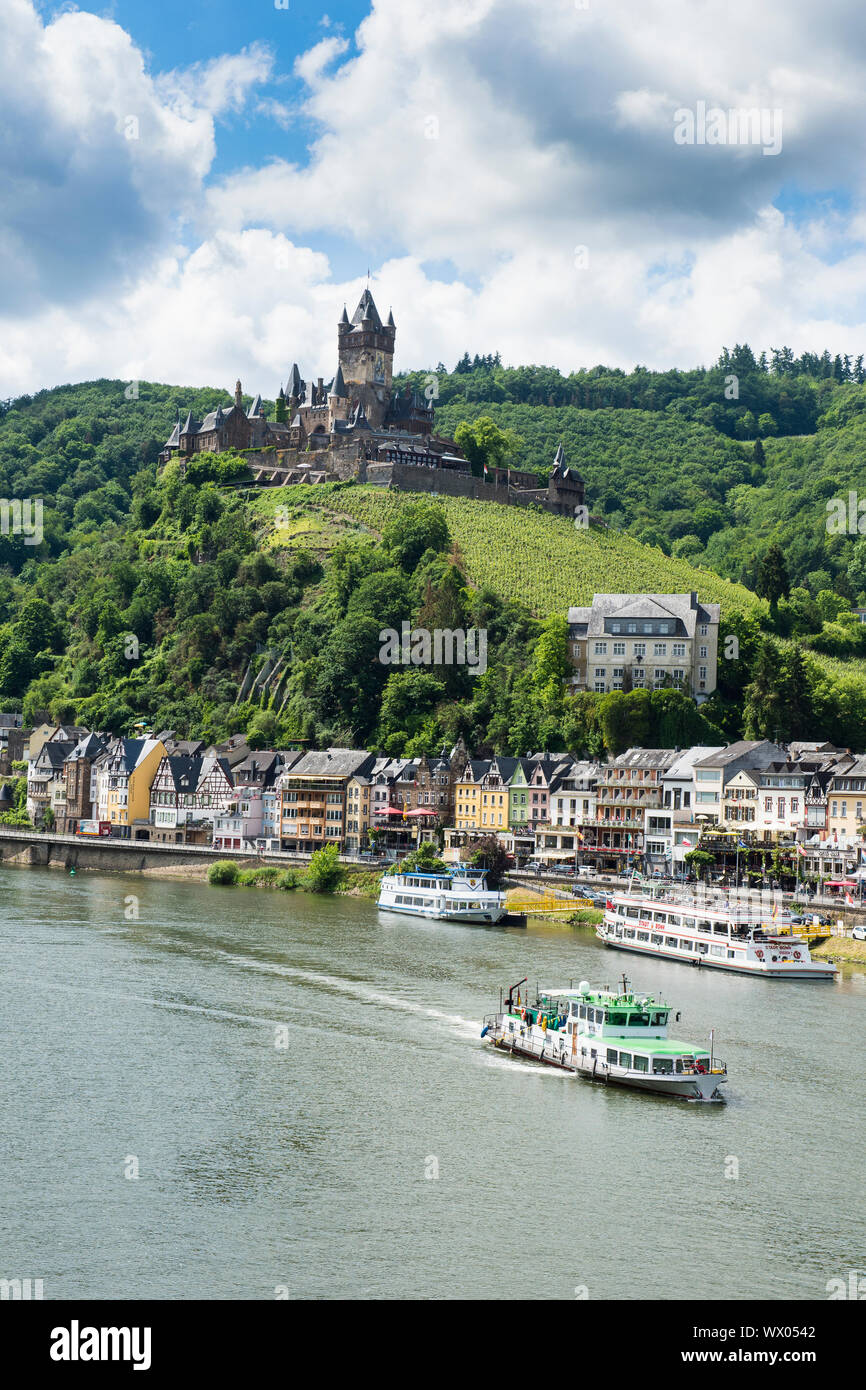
{"type": "Point", "coordinates": [224, 871]}
{"type": "Point", "coordinates": [287, 880]}
{"type": "Point", "coordinates": [325, 873]}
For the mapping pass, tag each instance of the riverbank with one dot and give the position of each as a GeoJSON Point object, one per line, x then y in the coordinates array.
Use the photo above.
{"type": "Point", "coordinates": [840, 948]}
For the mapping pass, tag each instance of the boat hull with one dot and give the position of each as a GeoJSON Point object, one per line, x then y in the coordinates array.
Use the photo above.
{"type": "Point", "coordinates": [704, 1088]}
{"type": "Point", "coordinates": [812, 971]}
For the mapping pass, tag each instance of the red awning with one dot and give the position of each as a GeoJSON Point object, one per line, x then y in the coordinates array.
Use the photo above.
{"type": "Point", "coordinates": [840, 883]}
{"type": "Point", "coordinates": [422, 811]}
{"type": "Point", "coordinates": [388, 811]}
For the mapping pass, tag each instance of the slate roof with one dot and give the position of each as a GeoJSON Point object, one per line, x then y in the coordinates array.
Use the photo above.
{"type": "Point", "coordinates": [366, 313]}
{"type": "Point", "coordinates": [684, 607]}
{"type": "Point", "coordinates": [334, 762]}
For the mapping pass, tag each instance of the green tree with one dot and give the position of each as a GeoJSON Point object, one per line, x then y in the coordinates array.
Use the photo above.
{"type": "Point", "coordinates": [325, 872]}
{"type": "Point", "coordinates": [773, 582]}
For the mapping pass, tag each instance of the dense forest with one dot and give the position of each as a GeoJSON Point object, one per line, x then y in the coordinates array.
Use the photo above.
{"type": "Point", "coordinates": [180, 601]}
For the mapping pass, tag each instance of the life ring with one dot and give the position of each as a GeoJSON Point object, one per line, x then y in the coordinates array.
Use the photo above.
{"type": "Point", "coordinates": [523, 1014]}
{"type": "Point", "coordinates": [759, 954]}
{"type": "Point", "coordinates": [796, 955]}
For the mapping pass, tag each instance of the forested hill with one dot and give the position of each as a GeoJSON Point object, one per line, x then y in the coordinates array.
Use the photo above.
{"type": "Point", "coordinates": [210, 590]}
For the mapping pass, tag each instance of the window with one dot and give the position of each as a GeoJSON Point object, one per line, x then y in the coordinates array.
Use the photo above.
{"type": "Point", "coordinates": [703, 652]}
{"type": "Point", "coordinates": [671, 942]}
{"type": "Point", "coordinates": [641, 1063]}
{"type": "Point", "coordinates": [612, 1056]}
{"type": "Point", "coordinates": [679, 649]}
{"type": "Point", "coordinates": [833, 811]}
{"type": "Point", "coordinates": [639, 650]}
{"type": "Point", "coordinates": [660, 649]}
{"type": "Point", "coordinates": [601, 649]}
{"type": "Point", "coordinates": [619, 648]}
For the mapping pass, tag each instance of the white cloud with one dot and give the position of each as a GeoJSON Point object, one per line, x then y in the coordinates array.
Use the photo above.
{"type": "Point", "coordinates": [492, 135]}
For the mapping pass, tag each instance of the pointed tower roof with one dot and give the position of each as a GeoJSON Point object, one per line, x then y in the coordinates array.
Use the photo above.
{"type": "Point", "coordinates": [296, 385]}
{"type": "Point", "coordinates": [188, 424]}
{"type": "Point", "coordinates": [174, 437]}
{"type": "Point", "coordinates": [366, 312]}
{"type": "Point", "coordinates": [559, 459]}
{"type": "Point", "coordinates": [339, 386]}
{"type": "Point", "coordinates": [391, 323]}
{"type": "Point", "coordinates": [256, 407]}
{"type": "Point", "coordinates": [345, 318]}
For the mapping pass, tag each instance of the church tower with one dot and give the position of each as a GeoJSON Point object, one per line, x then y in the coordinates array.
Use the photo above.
{"type": "Point", "coordinates": [366, 357]}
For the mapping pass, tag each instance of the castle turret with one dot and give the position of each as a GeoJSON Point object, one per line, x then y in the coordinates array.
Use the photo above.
{"type": "Point", "coordinates": [239, 396]}
{"type": "Point", "coordinates": [366, 356]}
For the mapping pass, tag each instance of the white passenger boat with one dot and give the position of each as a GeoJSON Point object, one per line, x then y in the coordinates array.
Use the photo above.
{"type": "Point", "coordinates": [614, 1036]}
{"type": "Point", "coordinates": [718, 933]}
{"type": "Point", "coordinates": [453, 896]}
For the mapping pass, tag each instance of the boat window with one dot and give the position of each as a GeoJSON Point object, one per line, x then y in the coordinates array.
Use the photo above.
{"type": "Point", "coordinates": [625, 1059]}
{"type": "Point", "coordinates": [721, 928]}
{"type": "Point", "coordinates": [617, 1020]}
{"type": "Point", "coordinates": [474, 904]}
{"type": "Point", "coordinates": [660, 917]}
{"type": "Point", "coordinates": [634, 913]}
{"type": "Point", "coordinates": [629, 932]}
{"type": "Point", "coordinates": [612, 1055]}
{"type": "Point", "coordinates": [717, 950]}
{"type": "Point", "coordinates": [659, 1020]}
{"type": "Point", "coordinates": [704, 926]}
{"type": "Point", "coordinates": [640, 1020]}
{"type": "Point", "coordinates": [688, 923]}
{"type": "Point", "coordinates": [685, 945]}
{"type": "Point", "coordinates": [618, 931]}
{"type": "Point", "coordinates": [663, 1065]}
{"type": "Point", "coordinates": [679, 1064]}
{"type": "Point", "coordinates": [641, 1063]}
{"type": "Point", "coordinates": [656, 939]}
{"type": "Point", "coordinates": [703, 948]}
{"type": "Point", "coordinates": [643, 936]}
{"type": "Point", "coordinates": [671, 941]}
{"type": "Point", "coordinates": [731, 955]}
{"type": "Point", "coordinates": [675, 920]}
{"type": "Point", "coordinates": [581, 1012]}
{"type": "Point", "coordinates": [703, 1062]}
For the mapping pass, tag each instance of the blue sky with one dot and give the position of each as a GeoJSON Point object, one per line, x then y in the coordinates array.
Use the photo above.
{"type": "Point", "coordinates": [189, 191]}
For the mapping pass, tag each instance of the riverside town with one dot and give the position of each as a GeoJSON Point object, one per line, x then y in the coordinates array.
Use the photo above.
{"type": "Point", "coordinates": [432, 671]}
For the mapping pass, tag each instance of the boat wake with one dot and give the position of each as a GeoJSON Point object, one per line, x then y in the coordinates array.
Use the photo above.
{"type": "Point", "coordinates": [355, 989]}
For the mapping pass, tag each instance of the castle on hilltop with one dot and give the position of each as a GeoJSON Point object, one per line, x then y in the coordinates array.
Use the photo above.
{"type": "Point", "coordinates": [358, 425]}
{"type": "Point", "coordinates": [343, 420]}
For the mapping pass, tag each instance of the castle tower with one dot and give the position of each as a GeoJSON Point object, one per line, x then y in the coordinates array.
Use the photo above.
{"type": "Point", "coordinates": [239, 397]}
{"type": "Point", "coordinates": [366, 357]}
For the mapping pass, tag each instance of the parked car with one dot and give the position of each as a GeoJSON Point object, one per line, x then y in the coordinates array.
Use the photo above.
{"type": "Point", "coordinates": [859, 932]}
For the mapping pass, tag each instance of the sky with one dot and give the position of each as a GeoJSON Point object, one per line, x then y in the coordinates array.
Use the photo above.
{"type": "Point", "coordinates": [191, 189]}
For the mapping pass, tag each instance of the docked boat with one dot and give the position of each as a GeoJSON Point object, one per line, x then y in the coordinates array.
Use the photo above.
{"type": "Point", "coordinates": [720, 934]}
{"type": "Point", "coordinates": [614, 1036]}
{"type": "Point", "coordinates": [450, 896]}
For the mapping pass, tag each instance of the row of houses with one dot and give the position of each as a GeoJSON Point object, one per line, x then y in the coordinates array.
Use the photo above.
{"type": "Point", "coordinates": [647, 807]}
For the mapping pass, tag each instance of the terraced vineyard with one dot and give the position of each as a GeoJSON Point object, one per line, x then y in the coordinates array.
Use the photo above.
{"type": "Point", "coordinates": [539, 560]}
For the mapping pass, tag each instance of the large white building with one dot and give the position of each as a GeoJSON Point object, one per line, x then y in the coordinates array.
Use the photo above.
{"type": "Point", "coordinates": [645, 641]}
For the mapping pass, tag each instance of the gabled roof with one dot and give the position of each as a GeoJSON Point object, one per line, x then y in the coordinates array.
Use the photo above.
{"type": "Point", "coordinates": [88, 747]}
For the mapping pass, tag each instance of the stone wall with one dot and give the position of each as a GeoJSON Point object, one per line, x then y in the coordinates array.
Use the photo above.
{"type": "Point", "coordinates": [409, 478]}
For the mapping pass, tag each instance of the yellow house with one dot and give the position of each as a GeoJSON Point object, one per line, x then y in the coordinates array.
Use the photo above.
{"type": "Point", "coordinates": [357, 811]}
{"type": "Point", "coordinates": [124, 777]}
{"type": "Point", "coordinates": [467, 796]}
{"type": "Point", "coordinates": [846, 801]}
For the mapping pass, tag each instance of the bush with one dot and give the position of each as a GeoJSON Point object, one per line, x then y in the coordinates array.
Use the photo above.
{"type": "Point", "coordinates": [287, 880]}
{"type": "Point", "coordinates": [325, 873]}
{"type": "Point", "coordinates": [224, 871]}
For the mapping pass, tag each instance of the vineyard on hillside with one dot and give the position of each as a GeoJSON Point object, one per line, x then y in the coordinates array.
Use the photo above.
{"type": "Point", "coordinates": [531, 557]}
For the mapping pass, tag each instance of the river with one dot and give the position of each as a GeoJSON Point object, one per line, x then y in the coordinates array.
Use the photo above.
{"type": "Point", "coordinates": [239, 1093]}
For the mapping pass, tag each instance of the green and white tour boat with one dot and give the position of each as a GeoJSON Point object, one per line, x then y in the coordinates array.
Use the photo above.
{"type": "Point", "coordinates": [615, 1036]}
